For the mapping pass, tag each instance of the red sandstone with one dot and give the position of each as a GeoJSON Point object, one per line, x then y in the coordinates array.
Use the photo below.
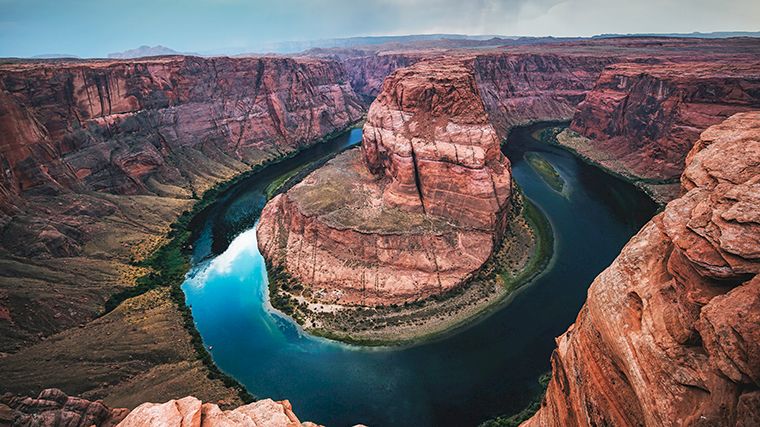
{"type": "Point", "coordinates": [670, 333]}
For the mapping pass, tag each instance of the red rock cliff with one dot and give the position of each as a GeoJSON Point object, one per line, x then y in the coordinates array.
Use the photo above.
{"type": "Point", "coordinates": [524, 88]}
{"type": "Point", "coordinates": [99, 157]}
{"type": "Point", "coordinates": [135, 127]}
{"type": "Point", "coordinates": [428, 134]}
{"type": "Point", "coordinates": [647, 116]}
{"type": "Point", "coordinates": [670, 333]}
{"type": "Point", "coordinates": [367, 72]}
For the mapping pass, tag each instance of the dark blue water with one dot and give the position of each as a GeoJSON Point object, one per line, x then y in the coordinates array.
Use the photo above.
{"type": "Point", "coordinates": [486, 369]}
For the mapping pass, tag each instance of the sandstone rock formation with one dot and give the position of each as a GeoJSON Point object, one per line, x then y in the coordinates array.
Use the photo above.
{"type": "Point", "coordinates": [368, 71]}
{"type": "Point", "coordinates": [134, 127]}
{"type": "Point", "coordinates": [191, 412]}
{"type": "Point", "coordinates": [53, 408]}
{"type": "Point", "coordinates": [415, 214]}
{"type": "Point", "coordinates": [647, 116]}
{"type": "Point", "coordinates": [98, 156]}
{"type": "Point", "coordinates": [670, 333]}
{"type": "Point", "coordinates": [524, 88]}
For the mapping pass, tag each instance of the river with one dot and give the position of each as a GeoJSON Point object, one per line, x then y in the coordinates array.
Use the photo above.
{"type": "Point", "coordinates": [486, 369]}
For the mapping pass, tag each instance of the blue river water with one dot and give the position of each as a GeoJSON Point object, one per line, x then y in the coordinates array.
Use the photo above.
{"type": "Point", "coordinates": [486, 369]}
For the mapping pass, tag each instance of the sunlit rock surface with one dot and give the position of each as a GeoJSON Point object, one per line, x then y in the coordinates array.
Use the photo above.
{"type": "Point", "coordinates": [670, 333]}
{"type": "Point", "coordinates": [412, 214]}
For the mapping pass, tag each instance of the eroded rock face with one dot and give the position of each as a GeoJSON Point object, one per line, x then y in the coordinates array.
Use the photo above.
{"type": "Point", "coordinates": [191, 412]}
{"type": "Point", "coordinates": [415, 212]}
{"type": "Point", "coordinates": [98, 157]}
{"type": "Point", "coordinates": [524, 88]}
{"type": "Point", "coordinates": [647, 116]}
{"type": "Point", "coordinates": [368, 71]}
{"type": "Point", "coordinates": [670, 333]}
{"type": "Point", "coordinates": [135, 127]}
{"type": "Point", "coordinates": [429, 135]}
{"type": "Point", "coordinates": [53, 408]}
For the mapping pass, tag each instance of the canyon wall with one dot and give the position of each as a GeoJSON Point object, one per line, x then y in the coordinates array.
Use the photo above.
{"type": "Point", "coordinates": [412, 215]}
{"type": "Point", "coordinates": [647, 116]}
{"type": "Point", "coordinates": [368, 71]}
{"type": "Point", "coordinates": [670, 333]}
{"type": "Point", "coordinates": [98, 158]}
{"type": "Point", "coordinates": [523, 88]}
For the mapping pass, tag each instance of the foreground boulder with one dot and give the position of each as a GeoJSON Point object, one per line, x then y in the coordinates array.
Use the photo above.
{"type": "Point", "coordinates": [191, 412]}
{"type": "Point", "coordinates": [670, 333]}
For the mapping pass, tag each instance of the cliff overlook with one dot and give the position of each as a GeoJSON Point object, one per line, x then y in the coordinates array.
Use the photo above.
{"type": "Point", "coordinates": [670, 333]}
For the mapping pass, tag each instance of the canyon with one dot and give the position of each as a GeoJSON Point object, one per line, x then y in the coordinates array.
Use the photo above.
{"type": "Point", "coordinates": [99, 158]}
{"type": "Point", "coordinates": [669, 334]}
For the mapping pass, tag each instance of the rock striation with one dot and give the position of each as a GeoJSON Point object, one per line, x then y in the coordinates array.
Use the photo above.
{"type": "Point", "coordinates": [99, 157]}
{"type": "Point", "coordinates": [136, 127]}
{"type": "Point", "coordinates": [645, 117]}
{"type": "Point", "coordinates": [411, 215]}
{"type": "Point", "coordinates": [367, 71]}
{"type": "Point", "coordinates": [524, 88]}
{"type": "Point", "coordinates": [670, 333]}
{"type": "Point", "coordinates": [53, 408]}
{"type": "Point", "coordinates": [191, 412]}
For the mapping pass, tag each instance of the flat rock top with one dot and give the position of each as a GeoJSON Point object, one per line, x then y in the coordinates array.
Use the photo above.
{"type": "Point", "coordinates": [691, 70]}
{"type": "Point", "coordinates": [344, 194]}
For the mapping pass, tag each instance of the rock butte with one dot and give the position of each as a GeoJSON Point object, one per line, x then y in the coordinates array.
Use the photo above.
{"type": "Point", "coordinates": [670, 332]}
{"type": "Point", "coordinates": [414, 213]}
{"type": "Point", "coordinates": [99, 157]}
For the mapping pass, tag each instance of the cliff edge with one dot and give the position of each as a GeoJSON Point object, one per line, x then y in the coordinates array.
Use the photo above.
{"type": "Point", "coordinates": [670, 333]}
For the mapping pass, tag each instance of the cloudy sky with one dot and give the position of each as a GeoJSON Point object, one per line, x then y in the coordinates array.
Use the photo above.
{"type": "Point", "coordinates": [97, 27]}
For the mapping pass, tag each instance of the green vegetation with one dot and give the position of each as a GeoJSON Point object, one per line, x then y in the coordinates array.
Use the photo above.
{"type": "Point", "coordinates": [281, 286]}
{"type": "Point", "coordinates": [546, 171]}
{"type": "Point", "coordinates": [543, 251]}
{"type": "Point", "coordinates": [522, 416]}
{"type": "Point", "coordinates": [169, 264]}
{"type": "Point", "coordinates": [275, 186]}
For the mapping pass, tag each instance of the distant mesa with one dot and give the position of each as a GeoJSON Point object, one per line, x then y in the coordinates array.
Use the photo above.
{"type": "Point", "coordinates": [54, 56]}
{"type": "Point", "coordinates": [145, 51]}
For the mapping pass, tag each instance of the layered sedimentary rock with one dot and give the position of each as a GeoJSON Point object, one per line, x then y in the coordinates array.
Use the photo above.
{"type": "Point", "coordinates": [643, 118]}
{"type": "Point", "coordinates": [368, 71]}
{"type": "Point", "coordinates": [98, 158]}
{"type": "Point", "coordinates": [191, 412]}
{"type": "Point", "coordinates": [670, 333]}
{"type": "Point", "coordinates": [524, 88]}
{"type": "Point", "coordinates": [53, 408]}
{"type": "Point", "coordinates": [135, 127]}
{"type": "Point", "coordinates": [411, 215]}
{"type": "Point", "coordinates": [91, 147]}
